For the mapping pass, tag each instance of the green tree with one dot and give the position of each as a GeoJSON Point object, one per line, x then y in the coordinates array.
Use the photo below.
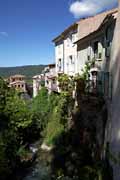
{"type": "Point", "coordinates": [15, 120]}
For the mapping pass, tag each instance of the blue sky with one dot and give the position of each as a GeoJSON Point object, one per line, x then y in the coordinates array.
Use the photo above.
{"type": "Point", "coordinates": [27, 27]}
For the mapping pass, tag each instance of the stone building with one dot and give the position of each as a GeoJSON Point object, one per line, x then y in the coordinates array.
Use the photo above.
{"type": "Point", "coordinates": [95, 39]}
{"type": "Point", "coordinates": [17, 82]}
{"type": "Point", "coordinates": [87, 40]}
{"type": "Point", "coordinates": [50, 78]}
{"type": "Point", "coordinates": [37, 82]}
{"type": "Point", "coordinates": [95, 36]}
{"type": "Point", "coordinates": [46, 79]}
{"type": "Point", "coordinates": [66, 51]}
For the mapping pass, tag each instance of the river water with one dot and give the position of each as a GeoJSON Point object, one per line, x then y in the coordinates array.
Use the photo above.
{"type": "Point", "coordinates": [41, 167]}
{"type": "Point", "coordinates": [39, 172]}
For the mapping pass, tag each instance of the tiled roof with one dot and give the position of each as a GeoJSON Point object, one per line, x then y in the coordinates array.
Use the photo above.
{"type": "Point", "coordinates": [51, 65]}
{"type": "Point", "coordinates": [92, 24]}
{"type": "Point", "coordinates": [17, 82]}
{"type": "Point", "coordinates": [86, 26]}
{"type": "Point", "coordinates": [17, 76]}
{"type": "Point", "coordinates": [67, 30]}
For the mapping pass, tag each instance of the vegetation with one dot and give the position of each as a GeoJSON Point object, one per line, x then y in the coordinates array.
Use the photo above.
{"type": "Point", "coordinates": [52, 112]}
{"type": "Point", "coordinates": [58, 119]}
{"type": "Point", "coordinates": [66, 83]}
{"type": "Point", "coordinates": [28, 71]}
{"type": "Point", "coordinates": [54, 120]}
{"type": "Point", "coordinates": [16, 125]}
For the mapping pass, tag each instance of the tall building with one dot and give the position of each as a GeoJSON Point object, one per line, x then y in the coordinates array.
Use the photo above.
{"type": "Point", "coordinates": [66, 51]}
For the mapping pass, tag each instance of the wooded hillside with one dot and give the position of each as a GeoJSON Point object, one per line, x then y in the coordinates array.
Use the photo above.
{"type": "Point", "coordinates": [28, 71]}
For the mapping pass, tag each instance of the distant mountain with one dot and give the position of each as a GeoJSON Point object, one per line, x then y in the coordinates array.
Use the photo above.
{"type": "Point", "coordinates": [28, 71]}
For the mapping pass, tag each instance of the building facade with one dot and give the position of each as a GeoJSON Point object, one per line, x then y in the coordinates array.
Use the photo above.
{"type": "Point", "coordinates": [46, 79]}
{"type": "Point", "coordinates": [66, 51]}
{"type": "Point", "coordinates": [89, 39]}
{"type": "Point", "coordinates": [37, 82]}
{"type": "Point", "coordinates": [50, 78]}
{"type": "Point", "coordinates": [94, 45]}
{"type": "Point", "coordinates": [95, 38]}
{"type": "Point", "coordinates": [17, 82]}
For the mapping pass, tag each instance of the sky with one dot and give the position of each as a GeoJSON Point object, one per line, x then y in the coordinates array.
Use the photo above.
{"type": "Point", "coordinates": [27, 27]}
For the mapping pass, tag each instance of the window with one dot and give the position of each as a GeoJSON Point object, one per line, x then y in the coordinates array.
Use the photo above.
{"type": "Point", "coordinates": [59, 64]}
{"type": "Point", "coordinates": [107, 51]}
{"type": "Point", "coordinates": [54, 82]}
{"type": "Point", "coordinates": [88, 58]}
{"type": "Point", "coordinates": [13, 79]}
{"type": "Point", "coordinates": [73, 38]}
{"type": "Point", "coordinates": [88, 53]}
{"type": "Point", "coordinates": [71, 59]}
{"type": "Point", "coordinates": [98, 50]}
{"type": "Point", "coordinates": [96, 47]}
{"type": "Point", "coordinates": [108, 34]}
{"type": "Point", "coordinates": [108, 41]}
{"type": "Point", "coordinates": [69, 40]}
{"type": "Point", "coordinates": [99, 55]}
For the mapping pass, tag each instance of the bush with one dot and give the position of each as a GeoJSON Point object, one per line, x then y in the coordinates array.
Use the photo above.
{"type": "Point", "coordinates": [4, 167]}
{"type": "Point", "coordinates": [58, 118]}
{"type": "Point", "coordinates": [54, 128]}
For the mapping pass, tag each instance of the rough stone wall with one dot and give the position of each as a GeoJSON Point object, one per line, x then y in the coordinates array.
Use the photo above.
{"type": "Point", "coordinates": [91, 117]}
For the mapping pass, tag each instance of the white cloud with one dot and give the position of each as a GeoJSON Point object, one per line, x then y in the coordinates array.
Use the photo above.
{"type": "Point", "coordinates": [85, 8]}
{"type": "Point", "coordinates": [3, 33]}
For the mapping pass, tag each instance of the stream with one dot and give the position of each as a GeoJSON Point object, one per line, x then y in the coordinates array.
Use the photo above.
{"type": "Point", "coordinates": [38, 172]}
{"type": "Point", "coordinates": [41, 167]}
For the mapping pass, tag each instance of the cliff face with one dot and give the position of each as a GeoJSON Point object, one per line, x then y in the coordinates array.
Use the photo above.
{"type": "Point", "coordinates": [80, 146]}
{"type": "Point", "coordinates": [91, 117]}
{"type": "Point", "coordinates": [113, 128]}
